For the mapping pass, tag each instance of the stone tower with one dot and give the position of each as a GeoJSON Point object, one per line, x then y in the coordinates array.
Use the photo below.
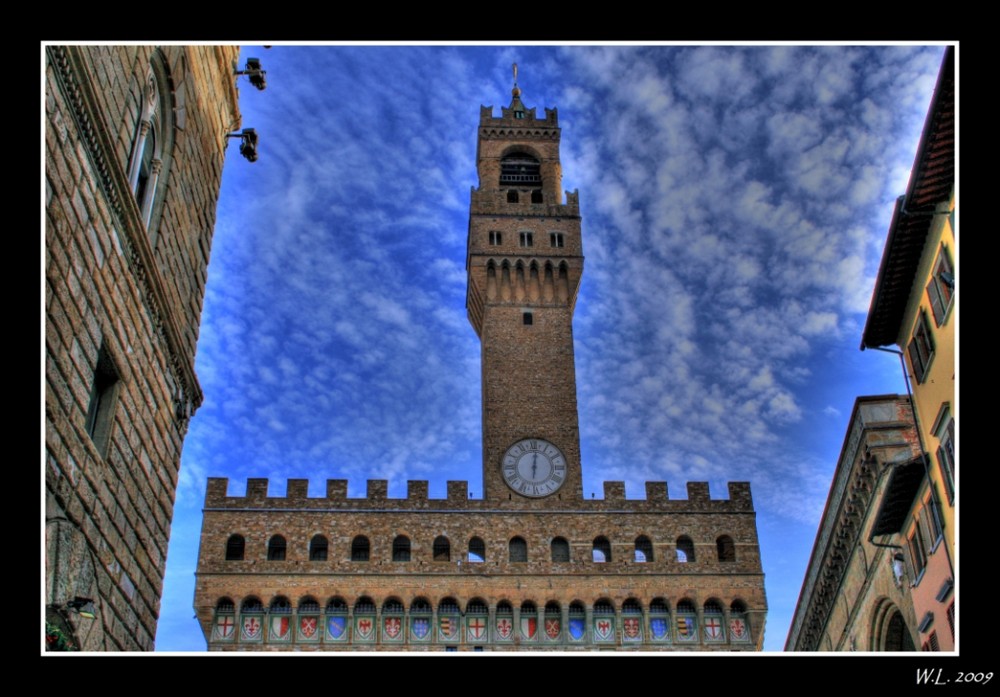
{"type": "Point", "coordinates": [525, 260]}
{"type": "Point", "coordinates": [530, 566]}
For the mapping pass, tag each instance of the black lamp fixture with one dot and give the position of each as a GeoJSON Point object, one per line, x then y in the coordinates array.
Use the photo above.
{"type": "Point", "coordinates": [253, 71]}
{"type": "Point", "coordinates": [248, 143]}
{"type": "Point", "coordinates": [83, 607]}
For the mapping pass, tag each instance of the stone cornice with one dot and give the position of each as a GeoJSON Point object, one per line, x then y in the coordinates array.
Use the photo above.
{"type": "Point", "coordinates": [131, 231]}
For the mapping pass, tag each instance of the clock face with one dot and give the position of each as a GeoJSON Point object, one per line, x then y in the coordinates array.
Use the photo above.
{"type": "Point", "coordinates": [534, 467]}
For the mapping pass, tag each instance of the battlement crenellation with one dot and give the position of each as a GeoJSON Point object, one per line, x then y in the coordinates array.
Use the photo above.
{"type": "Point", "coordinates": [417, 497]}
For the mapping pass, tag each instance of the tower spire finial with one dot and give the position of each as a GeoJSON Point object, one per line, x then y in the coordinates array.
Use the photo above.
{"type": "Point", "coordinates": [516, 92]}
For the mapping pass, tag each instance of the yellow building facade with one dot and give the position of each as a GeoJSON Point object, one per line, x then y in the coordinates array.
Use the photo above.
{"type": "Point", "coordinates": [913, 308]}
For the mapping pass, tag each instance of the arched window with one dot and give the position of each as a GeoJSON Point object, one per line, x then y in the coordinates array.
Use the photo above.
{"type": "Point", "coordinates": [685, 549]}
{"type": "Point", "coordinates": [225, 621]}
{"type": "Point", "coordinates": [251, 605]}
{"type": "Point", "coordinates": [477, 551]}
{"type": "Point", "coordinates": [336, 606]}
{"type": "Point", "coordinates": [251, 619]}
{"type": "Point", "coordinates": [739, 629]}
{"type": "Point", "coordinates": [632, 624]}
{"type": "Point", "coordinates": [276, 548]}
{"type": "Point", "coordinates": [318, 548]}
{"type": "Point", "coordinates": [504, 623]}
{"type": "Point", "coordinates": [518, 549]}
{"type": "Point", "coordinates": [643, 549]}
{"type": "Point", "coordinates": [602, 550]}
{"type": "Point", "coordinates": [281, 606]}
{"type": "Point", "coordinates": [896, 636]}
{"type": "Point", "coordinates": [528, 630]}
{"type": "Point", "coordinates": [553, 621]}
{"type": "Point", "coordinates": [560, 549]}
{"type": "Point", "coordinates": [360, 548]}
{"type": "Point", "coordinates": [659, 620]}
{"type": "Point", "coordinates": [476, 621]}
{"type": "Point", "coordinates": [521, 169]}
{"type": "Point", "coordinates": [714, 631]}
{"type": "Point", "coordinates": [401, 548]}
{"type": "Point", "coordinates": [577, 625]}
{"type": "Point", "coordinates": [687, 621]}
{"type": "Point", "coordinates": [235, 548]}
{"type": "Point", "coordinates": [149, 160]}
{"type": "Point", "coordinates": [726, 548]}
{"type": "Point", "coordinates": [442, 549]}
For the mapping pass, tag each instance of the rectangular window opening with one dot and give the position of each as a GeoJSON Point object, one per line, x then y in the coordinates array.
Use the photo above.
{"type": "Point", "coordinates": [527, 318]}
{"type": "Point", "coordinates": [103, 398]}
{"type": "Point", "coordinates": [921, 348]}
{"type": "Point", "coordinates": [527, 239]}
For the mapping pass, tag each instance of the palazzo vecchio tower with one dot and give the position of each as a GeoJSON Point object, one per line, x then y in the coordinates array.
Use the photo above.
{"type": "Point", "coordinates": [530, 566]}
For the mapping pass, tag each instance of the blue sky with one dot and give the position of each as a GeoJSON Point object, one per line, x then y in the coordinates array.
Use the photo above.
{"type": "Point", "coordinates": [735, 204]}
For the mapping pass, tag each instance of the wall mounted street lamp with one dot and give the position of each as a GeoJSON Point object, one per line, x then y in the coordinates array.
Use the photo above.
{"type": "Point", "coordinates": [255, 73]}
{"type": "Point", "coordinates": [248, 143]}
{"type": "Point", "coordinates": [83, 607]}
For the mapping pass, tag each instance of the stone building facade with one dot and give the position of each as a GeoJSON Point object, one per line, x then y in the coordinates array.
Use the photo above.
{"type": "Point", "coordinates": [135, 138]}
{"type": "Point", "coordinates": [532, 565]}
{"type": "Point", "coordinates": [856, 593]}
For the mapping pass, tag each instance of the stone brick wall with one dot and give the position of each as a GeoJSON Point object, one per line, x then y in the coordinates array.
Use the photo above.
{"type": "Point", "coordinates": [298, 518]}
{"type": "Point", "coordinates": [122, 301]}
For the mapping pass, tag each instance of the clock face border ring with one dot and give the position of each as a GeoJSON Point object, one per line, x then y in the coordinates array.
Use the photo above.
{"type": "Point", "coordinates": [510, 468]}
